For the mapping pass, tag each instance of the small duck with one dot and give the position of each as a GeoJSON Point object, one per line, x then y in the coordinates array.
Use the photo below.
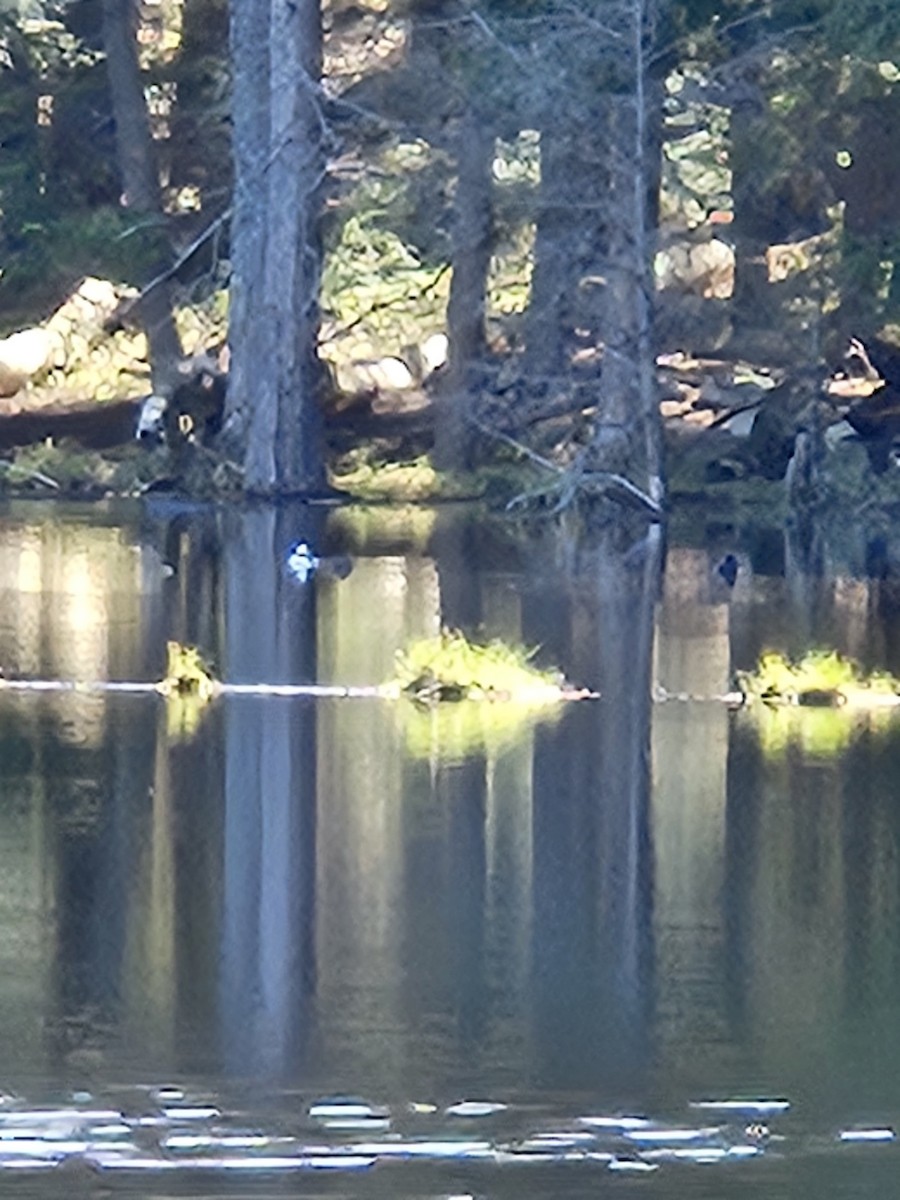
{"type": "Point", "coordinates": [301, 562]}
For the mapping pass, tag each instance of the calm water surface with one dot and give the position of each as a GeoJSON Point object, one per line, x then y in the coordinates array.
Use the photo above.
{"type": "Point", "coordinates": [625, 910]}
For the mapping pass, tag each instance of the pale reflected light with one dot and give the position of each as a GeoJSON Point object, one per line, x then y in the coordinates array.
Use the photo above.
{"type": "Point", "coordinates": [70, 594]}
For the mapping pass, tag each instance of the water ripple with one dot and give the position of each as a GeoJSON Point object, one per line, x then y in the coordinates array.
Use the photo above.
{"type": "Point", "coordinates": [179, 1132]}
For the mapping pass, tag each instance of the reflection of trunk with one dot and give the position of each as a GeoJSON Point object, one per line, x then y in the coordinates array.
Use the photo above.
{"type": "Point", "coordinates": [593, 861]}
{"type": "Point", "coordinates": [454, 549]}
{"type": "Point", "coordinates": [626, 595]}
{"type": "Point", "coordinates": [140, 179]}
{"type": "Point", "coordinates": [279, 148]}
{"type": "Point", "coordinates": [270, 807]}
{"type": "Point", "coordinates": [690, 823]}
{"type": "Point", "coordinates": [472, 236]}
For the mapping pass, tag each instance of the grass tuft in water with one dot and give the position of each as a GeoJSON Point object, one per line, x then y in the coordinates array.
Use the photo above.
{"type": "Point", "coordinates": [189, 686]}
{"type": "Point", "coordinates": [451, 668]}
{"type": "Point", "coordinates": [818, 703]}
{"type": "Point", "coordinates": [187, 674]}
{"type": "Point", "coordinates": [822, 678]}
{"type": "Point", "coordinates": [472, 698]}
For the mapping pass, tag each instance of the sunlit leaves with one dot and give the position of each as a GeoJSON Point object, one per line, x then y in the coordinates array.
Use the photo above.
{"type": "Point", "coordinates": [450, 666]}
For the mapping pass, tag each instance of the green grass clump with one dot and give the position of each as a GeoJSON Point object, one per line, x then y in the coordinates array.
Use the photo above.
{"type": "Point", "coordinates": [188, 687]}
{"type": "Point", "coordinates": [817, 704]}
{"type": "Point", "coordinates": [368, 477]}
{"type": "Point", "coordinates": [821, 677]}
{"type": "Point", "coordinates": [450, 667]}
{"type": "Point", "coordinates": [470, 698]}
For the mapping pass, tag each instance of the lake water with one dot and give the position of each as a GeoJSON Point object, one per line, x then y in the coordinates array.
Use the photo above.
{"type": "Point", "coordinates": [622, 911]}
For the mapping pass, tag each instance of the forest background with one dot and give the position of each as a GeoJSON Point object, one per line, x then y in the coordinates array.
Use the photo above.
{"type": "Point", "coordinates": [564, 230]}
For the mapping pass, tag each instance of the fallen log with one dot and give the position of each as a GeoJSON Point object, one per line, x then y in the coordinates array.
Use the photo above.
{"type": "Point", "coordinates": [95, 425]}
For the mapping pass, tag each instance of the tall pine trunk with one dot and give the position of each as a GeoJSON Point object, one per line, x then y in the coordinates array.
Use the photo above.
{"type": "Point", "coordinates": [628, 433]}
{"type": "Point", "coordinates": [273, 415]}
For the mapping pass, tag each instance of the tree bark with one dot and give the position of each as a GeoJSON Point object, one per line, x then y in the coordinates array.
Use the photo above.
{"type": "Point", "coordinates": [140, 177]}
{"type": "Point", "coordinates": [472, 245]}
{"type": "Point", "coordinates": [548, 331]}
{"type": "Point", "coordinates": [628, 436]}
{"type": "Point", "coordinates": [279, 152]}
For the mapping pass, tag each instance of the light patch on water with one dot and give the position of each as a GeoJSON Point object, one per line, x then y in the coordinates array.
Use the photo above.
{"type": "Point", "coordinates": [191, 1113]}
{"type": "Point", "coordinates": [614, 1123]}
{"type": "Point", "coordinates": [631, 1164]}
{"type": "Point", "coordinates": [866, 1135]}
{"type": "Point", "coordinates": [190, 1136]}
{"type": "Point", "coordinates": [475, 1108]}
{"type": "Point", "coordinates": [338, 1109]}
{"type": "Point", "coordinates": [673, 1135]}
{"type": "Point", "coordinates": [420, 1148]}
{"type": "Point", "coordinates": [356, 1124]}
{"type": "Point", "coordinates": [761, 1107]}
{"type": "Point", "coordinates": [204, 1141]}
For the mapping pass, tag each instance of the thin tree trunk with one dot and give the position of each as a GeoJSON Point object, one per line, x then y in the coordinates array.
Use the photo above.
{"type": "Point", "coordinates": [140, 177]}
{"type": "Point", "coordinates": [472, 245]}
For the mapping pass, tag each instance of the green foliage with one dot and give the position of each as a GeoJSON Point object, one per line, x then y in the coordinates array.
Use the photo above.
{"type": "Point", "coordinates": [385, 282]}
{"type": "Point", "coordinates": [189, 685]}
{"type": "Point", "coordinates": [471, 698]}
{"type": "Point", "coordinates": [187, 673]}
{"type": "Point", "coordinates": [60, 216]}
{"type": "Point", "coordinates": [822, 678]}
{"type": "Point", "coordinates": [450, 667]}
{"type": "Point", "coordinates": [817, 704]}
{"type": "Point", "coordinates": [377, 292]}
{"type": "Point", "coordinates": [63, 468]}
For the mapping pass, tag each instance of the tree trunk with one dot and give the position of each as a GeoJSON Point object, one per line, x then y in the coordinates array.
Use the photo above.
{"type": "Point", "coordinates": [628, 436]}
{"type": "Point", "coordinates": [140, 177]}
{"type": "Point", "coordinates": [548, 331]}
{"type": "Point", "coordinates": [472, 245]}
{"type": "Point", "coordinates": [279, 153]}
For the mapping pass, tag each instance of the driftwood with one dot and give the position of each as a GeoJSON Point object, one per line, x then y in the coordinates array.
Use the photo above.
{"type": "Point", "coordinates": [102, 425]}
{"type": "Point", "coordinates": [96, 425]}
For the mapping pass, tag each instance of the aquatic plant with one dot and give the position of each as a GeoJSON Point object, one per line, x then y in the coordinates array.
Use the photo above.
{"type": "Point", "coordinates": [818, 703]}
{"type": "Point", "coordinates": [187, 674]}
{"type": "Point", "coordinates": [188, 686]}
{"type": "Point", "coordinates": [821, 679]}
{"type": "Point", "coordinates": [450, 667]}
{"type": "Point", "coordinates": [471, 698]}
